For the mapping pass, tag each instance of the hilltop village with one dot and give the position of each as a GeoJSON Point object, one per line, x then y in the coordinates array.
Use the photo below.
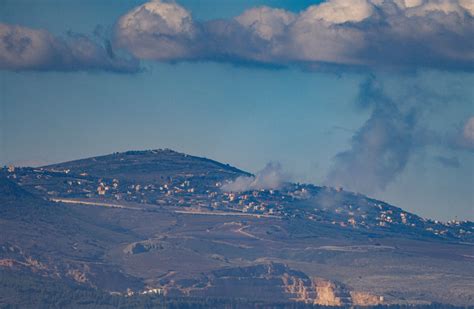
{"type": "Point", "coordinates": [197, 192]}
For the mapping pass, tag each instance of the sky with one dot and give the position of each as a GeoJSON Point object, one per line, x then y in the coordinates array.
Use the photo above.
{"type": "Point", "coordinates": [372, 95]}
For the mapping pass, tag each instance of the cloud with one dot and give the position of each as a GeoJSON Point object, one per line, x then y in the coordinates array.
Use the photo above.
{"type": "Point", "coordinates": [165, 31]}
{"type": "Point", "coordinates": [339, 11]}
{"type": "Point", "coordinates": [158, 30]}
{"type": "Point", "coordinates": [357, 34]}
{"type": "Point", "coordinates": [23, 48]}
{"type": "Point", "coordinates": [266, 22]}
{"type": "Point", "coordinates": [360, 33]}
{"type": "Point", "coordinates": [271, 177]}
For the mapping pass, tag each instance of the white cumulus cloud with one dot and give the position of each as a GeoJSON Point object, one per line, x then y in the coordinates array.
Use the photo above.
{"type": "Point", "coordinates": [364, 33]}
{"type": "Point", "coordinates": [339, 11]}
{"type": "Point", "coordinates": [266, 22]}
{"type": "Point", "coordinates": [157, 30]}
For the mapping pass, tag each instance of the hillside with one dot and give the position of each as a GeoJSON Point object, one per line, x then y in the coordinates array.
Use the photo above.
{"type": "Point", "coordinates": [168, 178]}
{"type": "Point", "coordinates": [158, 222]}
{"type": "Point", "coordinates": [157, 166]}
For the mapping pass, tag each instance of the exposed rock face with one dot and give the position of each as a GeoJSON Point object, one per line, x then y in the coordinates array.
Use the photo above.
{"type": "Point", "coordinates": [300, 287]}
{"type": "Point", "coordinates": [273, 281]}
{"type": "Point", "coordinates": [323, 292]}
{"type": "Point", "coordinates": [330, 294]}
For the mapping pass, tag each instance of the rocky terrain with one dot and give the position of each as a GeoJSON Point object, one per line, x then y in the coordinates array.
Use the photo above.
{"type": "Point", "coordinates": [160, 222]}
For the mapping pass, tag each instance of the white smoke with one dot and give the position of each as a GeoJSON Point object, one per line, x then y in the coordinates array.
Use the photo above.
{"type": "Point", "coordinates": [270, 177]}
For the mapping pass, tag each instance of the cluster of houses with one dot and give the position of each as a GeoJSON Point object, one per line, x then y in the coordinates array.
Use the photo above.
{"type": "Point", "coordinates": [292, 201]}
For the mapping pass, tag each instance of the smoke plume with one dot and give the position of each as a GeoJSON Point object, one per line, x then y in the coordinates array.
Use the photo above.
{"type": "Point", "coordinates": [270, 177]}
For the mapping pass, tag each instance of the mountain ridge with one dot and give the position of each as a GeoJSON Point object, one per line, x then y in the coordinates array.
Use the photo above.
{"type": "Point", "coordinates": [74, 164]}
{"type": "Point", "coordinates": [150, 173]}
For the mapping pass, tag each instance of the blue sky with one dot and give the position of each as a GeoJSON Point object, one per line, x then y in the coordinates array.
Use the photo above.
{"type": "Point", "coordinates": [248, 114]}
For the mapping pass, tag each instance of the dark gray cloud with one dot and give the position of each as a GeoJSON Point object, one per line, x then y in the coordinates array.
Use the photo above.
{"type": "Point", "coordinates": [359, 33]}
{"type": "Point", "coordinates": [24, 48]}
